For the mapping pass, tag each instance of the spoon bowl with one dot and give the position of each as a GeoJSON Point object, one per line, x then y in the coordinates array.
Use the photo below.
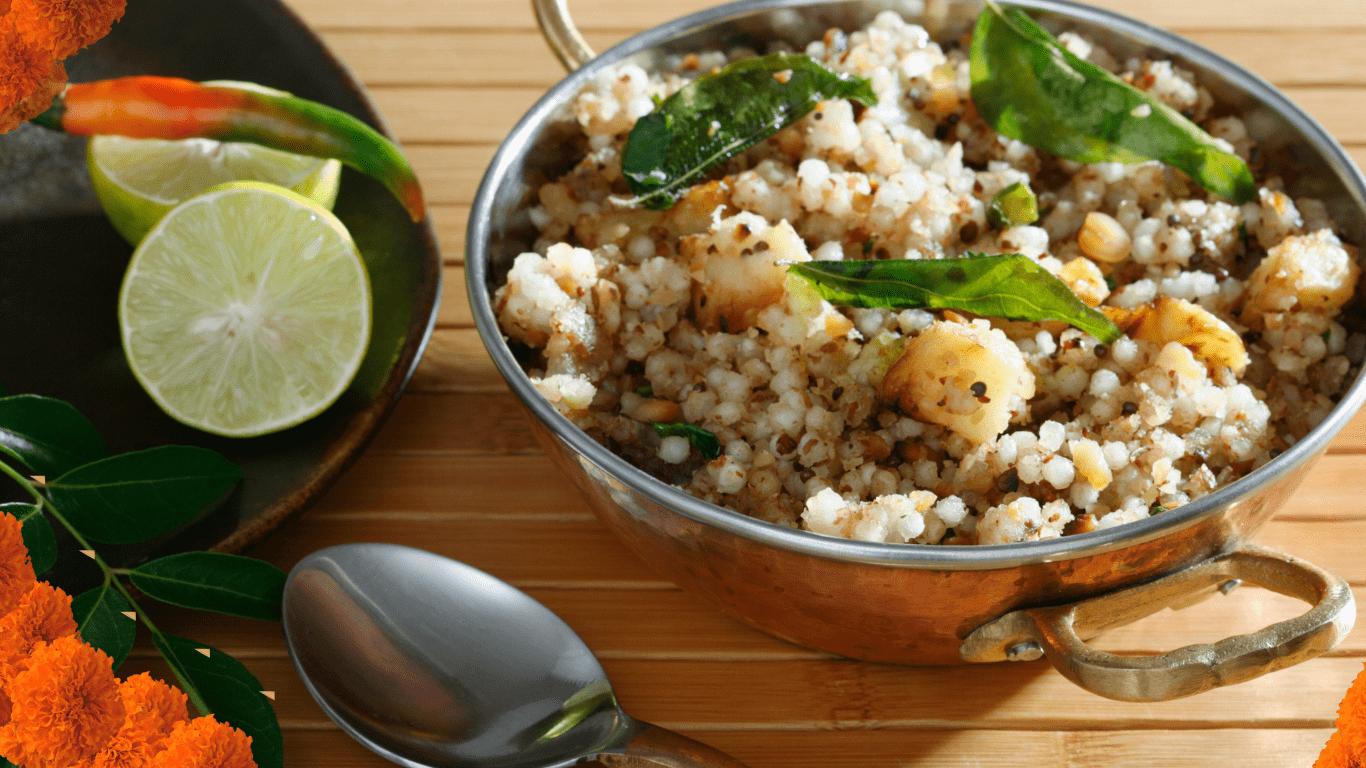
{"type": "Point", "coordinates": [432, 663]}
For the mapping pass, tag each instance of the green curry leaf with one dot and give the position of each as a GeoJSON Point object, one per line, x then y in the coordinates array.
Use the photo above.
{"type": "Point", "coordinates": [100, 620]}
{"type": "Point", "coordinates": [717, 116]}
{"type": "Point", "coordinates": [48, 435]}
{"type": "Point", "coordinates": [136, 496]}
{"type": "Point", "coordinates": [1029, 87]}
{"type": "Point", "coordinates": [214, 581]}
{"type": "Point", "coordinates": [701, 439]}
{"type": "Point", "coordinates": [1008, 286]}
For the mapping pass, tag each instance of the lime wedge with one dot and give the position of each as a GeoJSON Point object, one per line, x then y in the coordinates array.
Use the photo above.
{"type": "Point", "coordinates": [245, 310]}
{"type": "Point", "coordinates": [139, 180]}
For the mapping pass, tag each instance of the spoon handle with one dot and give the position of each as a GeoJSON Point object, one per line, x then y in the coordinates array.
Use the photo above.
{"type": "Point", "coordinates": [660, 748]}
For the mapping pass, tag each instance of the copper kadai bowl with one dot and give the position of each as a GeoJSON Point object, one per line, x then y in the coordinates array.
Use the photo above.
{"type": "Point", "coordinates": [930, 605]}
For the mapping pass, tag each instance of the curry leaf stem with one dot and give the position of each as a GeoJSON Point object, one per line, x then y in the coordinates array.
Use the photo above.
{"type": "Point", "coordinates": [109, 578]}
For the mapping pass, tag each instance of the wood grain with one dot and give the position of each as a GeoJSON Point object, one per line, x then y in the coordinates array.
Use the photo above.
{"type": "Point", "coordinates": [1291, 56]}
{"type": "Point", "coordinates": [488, 423]}
{"type": "Point", "coordinates": [457, 471]}
{"type": "Point", "coordinates": [615, 15]}
{"type": "Point", "coordinates": [453, 114]}
{"type": "Point", "coordinates": [489, 59]}
{"type": "Point", "coordinates": [454, 311]}
{"type": "Point", "coordinates": [455, 361]}
{"type": "Point", "coordinates": [315, 748]}
{"type": "Point", "coordinates": [838, 694]}
{"type": "Point", "coordinates": [450, 173]}
{"type": "Point", "coordinates": [450, 220]}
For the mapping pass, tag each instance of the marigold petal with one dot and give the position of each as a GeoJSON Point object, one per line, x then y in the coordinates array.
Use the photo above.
{"type": "Point", "coordinates": [16, 572]}
{"type": "Point", "coordinates": [66, 706]}
{"type": "Point", "coordinates": [40, 100]}
{"type": "Point", "coordinates": [205, 743]}
{"type": "Point", "coordinates": [152, 705]}
{"type": "Point", "coordinates": [43, 615]}
{"type": "Point", "coordinates": [1351, 721]}
{"type": "Point", "coordinates": [126, 750]}
{"type": "Point", "coordinates": [1336, 754]}
{"type": "Point", "coordinates": [152, 708]}
{"type": "Point", "coordinates": [62, 27]}
{"type": "Point", "coordinates": [22, 64]}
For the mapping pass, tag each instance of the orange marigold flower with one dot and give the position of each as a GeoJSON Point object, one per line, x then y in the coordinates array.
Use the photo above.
{"type": "Point", "coordinates": [1352, 716]}
{"type": "Point", "coordinates": [153, 709]}
{"type": "Point", "coordinates": [205, 743]}
{"type": "Point", "coordinates": [22, 64]}
{"type": "Point", "coordinates": [43, 615]}
{"type": "Point", "coordinates": [153, 703]}
{"type": "Point", "coordinates": [16, 572]}
{"type": "Point", "coordinates": [66, 706]}
{"type": "Point", "coordinates": [1336, 754]}
{"type": "Point", "coordinates": [62, 27]}
{"type": "Point", "coordinates": [35, 103]}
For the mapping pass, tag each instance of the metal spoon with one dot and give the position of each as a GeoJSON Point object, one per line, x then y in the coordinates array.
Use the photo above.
{"type": "Point", "coordinates": [434, 664]}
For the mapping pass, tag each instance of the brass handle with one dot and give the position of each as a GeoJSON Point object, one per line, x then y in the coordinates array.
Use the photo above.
{"type": "Point", "coordinates": [1060, 632]}
{"type": "Point", "coordinates": [561, 34]}
{"type": "Point", "coordinates": [655, 747]}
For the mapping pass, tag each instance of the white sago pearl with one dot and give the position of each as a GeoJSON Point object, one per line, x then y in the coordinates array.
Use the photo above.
{"type": "Point", "coordinates": [674, 449]}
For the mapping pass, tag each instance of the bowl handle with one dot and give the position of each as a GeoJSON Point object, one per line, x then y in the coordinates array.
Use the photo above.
{"type": "Point", "coordinates": [1059, 632]}
{"type": "Point", "coordinates": [561, 34]}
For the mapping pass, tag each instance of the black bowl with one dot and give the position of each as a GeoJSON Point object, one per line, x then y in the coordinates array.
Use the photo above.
{"type": "Point", "coordinates": [61, 264]}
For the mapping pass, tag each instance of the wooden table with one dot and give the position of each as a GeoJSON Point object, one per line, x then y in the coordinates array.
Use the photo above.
{"type": "Point", "coordinates": [456, 471]}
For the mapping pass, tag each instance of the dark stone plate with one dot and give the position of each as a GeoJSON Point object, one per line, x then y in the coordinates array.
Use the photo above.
{"type": "Point", "coordinates": [61, 264]}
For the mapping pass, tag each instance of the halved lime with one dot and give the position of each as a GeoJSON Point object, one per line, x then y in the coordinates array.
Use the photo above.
{"type": "Point", "coordinates": [245, 310]}
{"type": "Point", "coordinates": [139, 180]}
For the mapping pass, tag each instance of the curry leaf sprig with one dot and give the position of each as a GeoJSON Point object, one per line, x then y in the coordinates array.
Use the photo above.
{"type": "Point", "coordinates": [129, 498]}
{"type": "Point", "coordinates": [717, 116]}
{"type": "Point", "coordinates": [1029, 87]}
{"type": "Point", "coordinates": [1009, 286]}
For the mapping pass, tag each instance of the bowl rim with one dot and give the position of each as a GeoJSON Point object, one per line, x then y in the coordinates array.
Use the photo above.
{"type": "Point", "coordinates": [913, 556]}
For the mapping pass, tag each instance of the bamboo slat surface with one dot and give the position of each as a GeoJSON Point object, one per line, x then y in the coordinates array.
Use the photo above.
{"type": "Point", "coordinates": [457, 471]}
